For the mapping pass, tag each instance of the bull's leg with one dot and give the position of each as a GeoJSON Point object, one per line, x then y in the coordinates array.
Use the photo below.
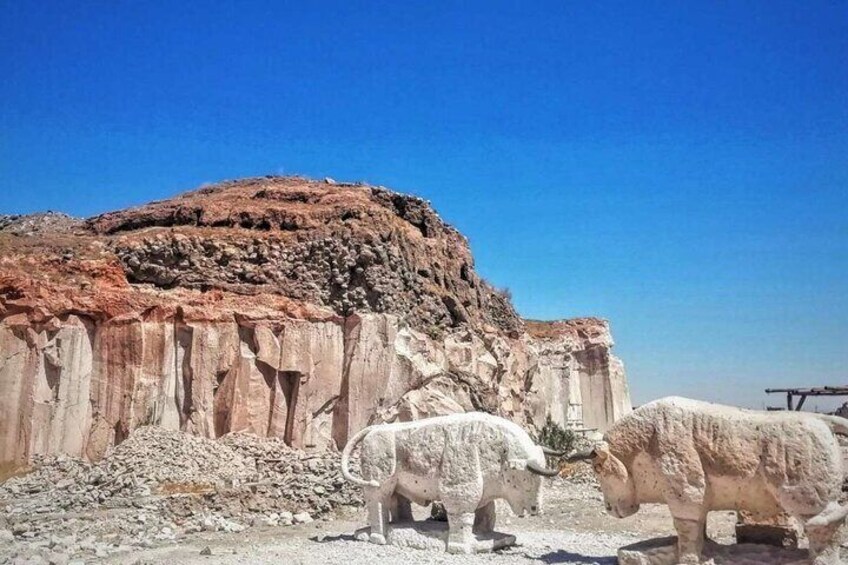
{"type": "Point", "coordinates": [377, 501]}
{"type": "Point", "coordinates": [460, 532]}
{"type": "Point", "coordinates": [803, 503]}
{"type": "Point", "coordinates": [690, 539]}
{"type": "Point", "coordinates": [377, 521]}
{"type": "Point", "coordinates": [822, 533]}
{"type": "Point", "coordinates": [484, 519]}
{"type": "Point", "coordinates": [684, 489]}
{"type": "Point", "coordinates": [461, 488]}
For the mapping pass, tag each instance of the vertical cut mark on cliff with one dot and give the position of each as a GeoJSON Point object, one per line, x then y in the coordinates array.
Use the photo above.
{"type": "Point", "coordinates": [341, 412]}
{"type": "Point", "coordinates": [290, 385]}
{"type": "Point", "coordinates": [183, 339]}
{"type": "Point", "coordinates": [121, 432]}
{"type": "Point", "coordinates": [53, 369]}
{"type": "Point", "coordinates": [270, 375]}
{"type": "Point", "coordinates": [226, 396]}
{"type": "Point", "coordinates": [221, 406]}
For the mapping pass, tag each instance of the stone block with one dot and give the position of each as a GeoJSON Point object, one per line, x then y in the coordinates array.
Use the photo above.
{"type": "Point", "coordinates": [431, 535]}
{"type": "Point", "coordinates": [663, 551]}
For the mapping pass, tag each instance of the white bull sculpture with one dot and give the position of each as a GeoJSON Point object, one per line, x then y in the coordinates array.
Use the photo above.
{"type": "Point", "coordinates": [697, 457]}
{"type": "Point", "coordinates": [465, 460]}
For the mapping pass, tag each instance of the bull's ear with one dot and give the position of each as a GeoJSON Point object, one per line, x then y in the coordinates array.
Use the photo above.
{"type": "Point", "coordinates": [517, 464]}
{"type": "Point", "coordinates": [601, 451]}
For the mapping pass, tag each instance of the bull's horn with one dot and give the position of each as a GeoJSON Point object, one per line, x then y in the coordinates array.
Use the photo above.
{"type": "Point", "coordinates": [548, 451]}
{"type": "Point", "coordinates": [581, 456]}
{"type": "Point", "coordinates": [533, 468]}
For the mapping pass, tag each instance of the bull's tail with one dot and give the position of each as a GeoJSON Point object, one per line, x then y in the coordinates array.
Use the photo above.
{"type": "Point", "coordinates": [351, 444]}
{"type": "Point", "coordinates": [833, 514]}
{"type": "Point", "coordinates": [837, 424]}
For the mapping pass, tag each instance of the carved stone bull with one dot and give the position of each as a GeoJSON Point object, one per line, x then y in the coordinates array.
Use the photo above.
{"type": "Point", "coordinates": [465, 460]}
{"type": "Point", "coordinates": [697, 457]}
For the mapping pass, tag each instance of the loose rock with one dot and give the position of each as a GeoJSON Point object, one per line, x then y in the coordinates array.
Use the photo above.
{"type": "Point", "coordinates": [158, 485]}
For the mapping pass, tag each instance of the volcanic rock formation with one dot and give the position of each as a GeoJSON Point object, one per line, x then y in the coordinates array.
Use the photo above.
{"type": "Point", "coordinates": [279, 306]}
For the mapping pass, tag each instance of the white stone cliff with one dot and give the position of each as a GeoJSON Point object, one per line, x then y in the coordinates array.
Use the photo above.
{"type": "Point", "coordinates": [78, 387]}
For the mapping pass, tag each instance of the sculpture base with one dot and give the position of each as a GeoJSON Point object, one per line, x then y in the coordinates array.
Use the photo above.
{"type": "Point", "coordinates": [663, 551]}
{"type": "Point", "coordinates": [433, 536]}
{"type": "Point", "coordinates": [766, 534]}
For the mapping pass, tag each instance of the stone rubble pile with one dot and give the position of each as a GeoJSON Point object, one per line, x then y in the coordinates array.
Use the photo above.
{"type": "Point", "coordinates": [30, 224]}
{"type": "Point", "coordinates": [159, 485]}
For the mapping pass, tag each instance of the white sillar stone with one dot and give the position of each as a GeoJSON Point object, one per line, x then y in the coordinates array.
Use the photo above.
{"type": "Point", "coordinates": [467, 461]}
{"type": "Point", "coordinates": [755, 461]}
{"type": "Point", "coordinates": [302, 518]}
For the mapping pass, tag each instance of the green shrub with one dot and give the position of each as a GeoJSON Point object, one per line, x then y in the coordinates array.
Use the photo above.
{"type": "Point", "coordinates": [557, 438]}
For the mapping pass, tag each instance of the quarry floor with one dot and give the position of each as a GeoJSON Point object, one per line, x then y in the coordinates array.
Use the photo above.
{"type": "Point", "coordinates": [574, 529]}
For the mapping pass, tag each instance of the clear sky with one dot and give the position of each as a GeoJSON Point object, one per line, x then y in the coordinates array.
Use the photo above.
{"type": "Point", "coordinates": [680, 168]}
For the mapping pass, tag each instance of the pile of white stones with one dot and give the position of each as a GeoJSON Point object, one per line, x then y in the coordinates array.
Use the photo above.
{"type": "Point", "coordinates": [159, 485]}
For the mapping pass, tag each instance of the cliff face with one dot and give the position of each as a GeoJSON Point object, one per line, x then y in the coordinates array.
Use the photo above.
{"type": "Point", "coordinates": [282, 306]}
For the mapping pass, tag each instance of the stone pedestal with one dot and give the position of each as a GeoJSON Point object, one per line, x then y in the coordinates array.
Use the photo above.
{"type": "Point", "coordinates": [433, 536]}
{"type": "Point", "coordinates": [663, 551]}
{"type": "Point", "coordinates": [780, 530]}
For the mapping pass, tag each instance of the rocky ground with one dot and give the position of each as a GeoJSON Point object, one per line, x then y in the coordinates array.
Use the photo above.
{"type": "Point", "coordinates": [43, 222]}
{"type": "Point", "coordinates": [573, 530]}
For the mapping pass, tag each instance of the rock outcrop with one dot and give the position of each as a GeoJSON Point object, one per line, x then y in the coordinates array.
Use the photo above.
{"type": "Point", "coordinates": [277, 306]}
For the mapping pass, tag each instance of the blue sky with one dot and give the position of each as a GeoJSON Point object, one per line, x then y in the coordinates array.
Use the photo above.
{"type": "Point", "coordinates": [679, 168]}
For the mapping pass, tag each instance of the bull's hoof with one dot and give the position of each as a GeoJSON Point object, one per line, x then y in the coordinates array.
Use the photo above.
{"type": "Point", "coordinates": [460, 548]}
{"type": "Point", "coordinates": [379, 539]}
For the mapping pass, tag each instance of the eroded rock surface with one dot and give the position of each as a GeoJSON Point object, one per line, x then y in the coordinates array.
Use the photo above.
{"type": "Point", "coordinates": [281, 307]}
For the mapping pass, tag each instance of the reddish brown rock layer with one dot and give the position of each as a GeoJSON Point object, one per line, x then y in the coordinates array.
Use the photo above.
{"type": "Point", "coordinates": [352, 248]}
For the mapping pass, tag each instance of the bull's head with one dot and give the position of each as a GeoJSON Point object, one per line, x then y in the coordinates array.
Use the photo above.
{"type": "Point", "coordinates": [616, 482]}
{"type": "Point", "coordinates": [523, 481]}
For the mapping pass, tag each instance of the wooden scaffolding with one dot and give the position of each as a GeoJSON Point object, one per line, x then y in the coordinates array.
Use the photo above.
{"type": "Point", "coordinates": [803, 393]}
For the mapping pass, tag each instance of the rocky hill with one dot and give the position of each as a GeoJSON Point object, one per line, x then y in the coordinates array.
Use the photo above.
{"type": "Point", "coordinates": [352, 248]}
{"type": "Point", "coordinates": [280, 306]}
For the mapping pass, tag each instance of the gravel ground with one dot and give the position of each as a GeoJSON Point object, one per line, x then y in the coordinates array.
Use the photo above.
{"type": "Point", "coordinates": [548, 546]}
{"type": "Point", "coordinates": [573, 530]}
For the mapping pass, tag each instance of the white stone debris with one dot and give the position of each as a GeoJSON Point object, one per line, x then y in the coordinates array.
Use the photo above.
{"type": "Point", "coordinates": [159, 485]}
{"type": "Point", "coordinates": [302, 518]}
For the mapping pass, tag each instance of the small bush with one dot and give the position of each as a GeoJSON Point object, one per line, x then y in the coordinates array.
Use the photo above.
{"type": "Point", "coordinates": [505, 292]}
{"type": "Point", "coordinates": [556, 437]}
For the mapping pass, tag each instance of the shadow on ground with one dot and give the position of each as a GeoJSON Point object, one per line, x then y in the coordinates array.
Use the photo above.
{"type": "Point", "coordinates": [563, 556]}
{"type": "Point", "coordinates": [321, 538]}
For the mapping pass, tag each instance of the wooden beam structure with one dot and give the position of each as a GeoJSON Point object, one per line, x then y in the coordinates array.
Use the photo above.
{"type": "Point", "coordinates": [803, 393]}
